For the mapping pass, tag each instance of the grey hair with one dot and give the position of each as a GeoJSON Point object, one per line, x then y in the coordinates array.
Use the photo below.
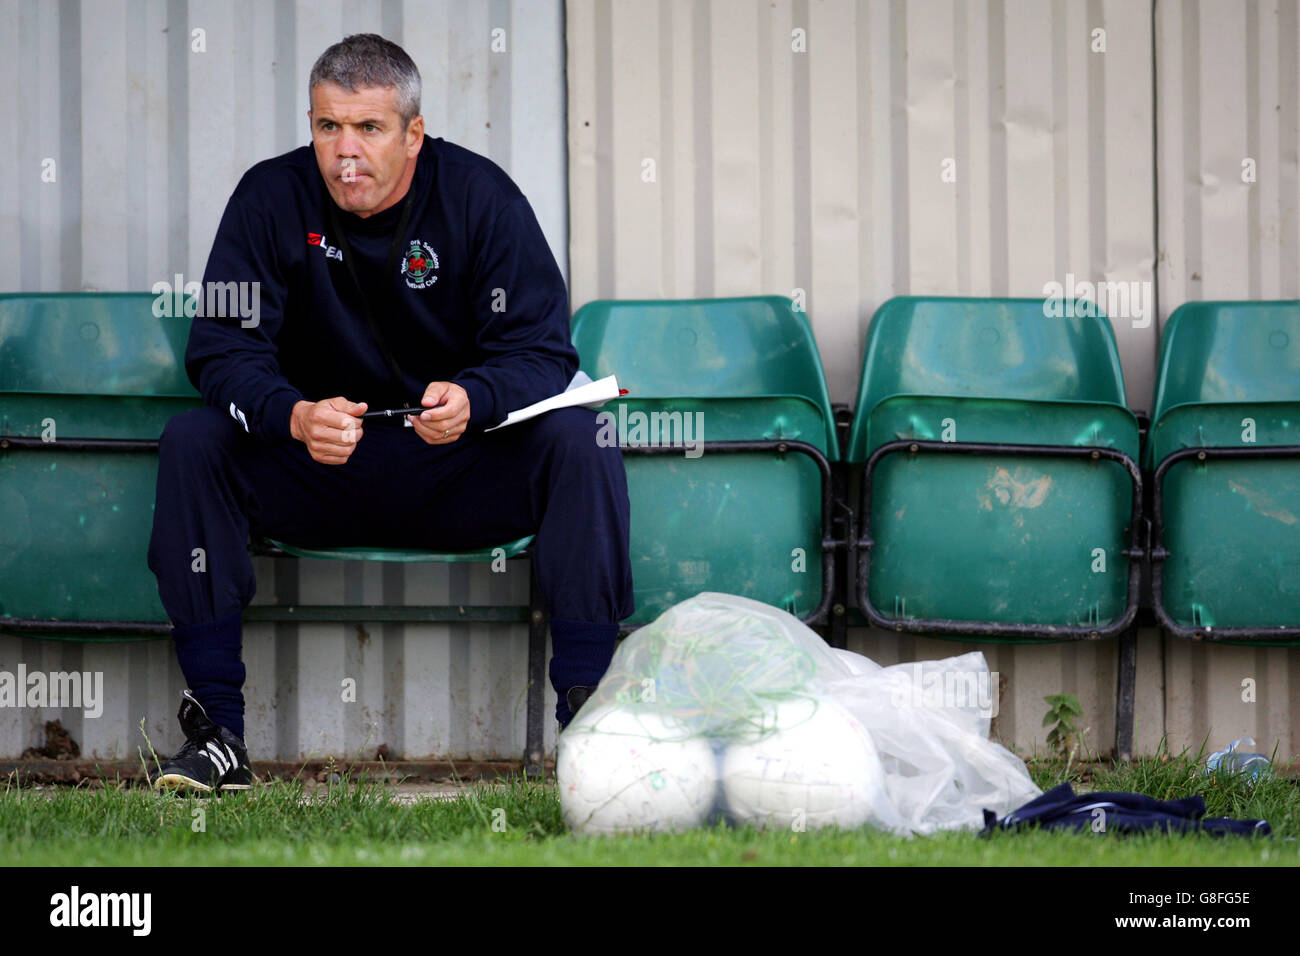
{"type": "Point", "coordinates": [365, 60]}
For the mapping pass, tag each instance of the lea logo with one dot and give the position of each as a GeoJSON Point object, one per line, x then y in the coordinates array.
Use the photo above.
{"type": "Point", "coordinates": [318, 239]}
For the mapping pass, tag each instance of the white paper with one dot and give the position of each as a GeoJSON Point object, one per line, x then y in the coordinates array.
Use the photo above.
{"type": "Point", "coordinates": [581, 391]}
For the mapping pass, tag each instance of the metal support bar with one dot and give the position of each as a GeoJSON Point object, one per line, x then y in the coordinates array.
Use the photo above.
{"type": "Point", "coordinates": [44, 627]}
{"type": "Point", "coordinates": [534, 746]}
{"type": "Point", "coordinates": [297, 613]}
{"type": "Point", "coordinates": [1125, 694]}
{"type": "Point", "coordinates": [1135, 552]}
{"type": "Point", "coordinates": [381, 613]}
{"type": "Point", "coordinates": [1281, 633]}
{"type": "Point", "coordinates": [839, 623]}
{"type": "Point", "coordinates": [8, 442]}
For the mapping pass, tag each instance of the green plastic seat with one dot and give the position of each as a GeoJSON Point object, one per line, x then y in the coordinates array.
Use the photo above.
{"type": "Point", "coordinates": [755, 346]}
{"type": "Point", "coordinates": [1003, 349]}
{"type": "Point", "coordinates": [1229, 379]}
{"type": "Point", "coordinates": [99, 364]}
{"type": "Point", "coordinates": [996, 541]}
{"type": "Point", "coordinates": [747, 369]}
{"type": "Point", "coordinates": [75, 524]}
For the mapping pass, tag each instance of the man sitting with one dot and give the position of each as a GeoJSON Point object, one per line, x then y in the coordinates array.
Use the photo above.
{"type": "Point", "coordinates": [392, 270]}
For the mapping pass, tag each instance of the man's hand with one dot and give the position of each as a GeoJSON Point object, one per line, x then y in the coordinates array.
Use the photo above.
{"type": "Point", "coordinates": [330, 429]}
{"type": "Point", "coordinates": [442, 426]}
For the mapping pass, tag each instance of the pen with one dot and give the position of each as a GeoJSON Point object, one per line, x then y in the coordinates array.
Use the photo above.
{"type": "Point", "coordinates": [387, 412]}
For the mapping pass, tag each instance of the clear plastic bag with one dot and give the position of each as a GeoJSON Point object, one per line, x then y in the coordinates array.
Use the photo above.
{"type": "Point", "coordinates": [726, 708]}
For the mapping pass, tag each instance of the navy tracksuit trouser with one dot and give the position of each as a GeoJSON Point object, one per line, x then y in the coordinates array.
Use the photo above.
{"type": "Point", "coordinates": [217, 484]}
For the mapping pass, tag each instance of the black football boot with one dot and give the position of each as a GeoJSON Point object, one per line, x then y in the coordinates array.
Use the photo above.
{"type": "Point", "coordinates": [211, 759]}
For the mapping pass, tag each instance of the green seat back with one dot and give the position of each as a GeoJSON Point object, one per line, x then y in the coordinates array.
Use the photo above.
{"type": "Point", "coordinates": [1229, 377]}
{"type": "Point", "coordinates": [706, 348]}
{"type": "Point", "coordinates": [716, 370]}
{"type": "Point", "coordinates": [74, 525]}
{"type": "Point", "coordinates": [984, 348]}
{"type": "Point", "coordinates": [108, 343]}
{"type": "Point", "coordinates": [995, 538]}
{"type": "Point", "coordinates": [99, 365]}
{"type": "Point", "coordinates": [1221, 362]}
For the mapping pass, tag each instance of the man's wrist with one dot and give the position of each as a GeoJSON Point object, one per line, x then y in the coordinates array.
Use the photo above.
{"type": "Point", "coordinates": [480, 401]}
{"type": "Point", "coordinates": [294, 415]}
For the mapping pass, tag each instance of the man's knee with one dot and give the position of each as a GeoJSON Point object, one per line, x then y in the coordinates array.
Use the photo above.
{"type": "Point", "coordinates": [576, 433]}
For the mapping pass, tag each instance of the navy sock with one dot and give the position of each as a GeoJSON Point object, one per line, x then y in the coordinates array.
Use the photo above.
{"type": "Point", "coordinates": [580, 655]}
{"type": "Point", "coordinates": [209, 654]}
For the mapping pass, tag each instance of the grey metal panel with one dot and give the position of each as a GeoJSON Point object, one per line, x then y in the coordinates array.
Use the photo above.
{"type": "Point", "coordinates": [822, 171]}
{"type": "Point", "coordinates": [455, 691]}
{"type": "Point", "coordinates": [1228, 95]}
{"type": "Point", "coordinates": [1029, 673]}
{"type": "Point", "coordinates": [150, 137]}
{"type": "Point", "coordinates": [150, 134]}
{"type": "Point", "coordinates": [1227, 87]}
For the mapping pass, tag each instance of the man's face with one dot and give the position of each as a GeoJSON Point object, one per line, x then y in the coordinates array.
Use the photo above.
{"type": "Point", "coordinates": [364, 152]}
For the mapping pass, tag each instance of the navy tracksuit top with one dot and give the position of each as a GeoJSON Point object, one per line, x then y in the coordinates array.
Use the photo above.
{"type": "Point", "coordinates": [1062, 809]}
{"type": "Point", "coordinates": [476, 297]}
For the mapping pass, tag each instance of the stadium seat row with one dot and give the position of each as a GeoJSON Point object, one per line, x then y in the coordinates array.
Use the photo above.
{"type": "Point", "coordinates": [994, 484]}
{"type": "Point", "coordinates": [1000, 474]}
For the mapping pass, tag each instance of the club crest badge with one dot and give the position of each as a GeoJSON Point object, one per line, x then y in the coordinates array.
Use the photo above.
{"type": "Point", "coordinates": [419, 265]}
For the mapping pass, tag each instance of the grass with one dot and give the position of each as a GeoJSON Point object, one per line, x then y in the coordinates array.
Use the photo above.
{"type": "Point", "coordinates": [357, 823]}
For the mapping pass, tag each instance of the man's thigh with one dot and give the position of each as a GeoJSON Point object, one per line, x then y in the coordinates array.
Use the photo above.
{"type": "Point", "coordinates": [367, 500]}
{"type": "Point", "coordinates": [495, 486]}
{"type": "Point", "coordinates": [396, 490]}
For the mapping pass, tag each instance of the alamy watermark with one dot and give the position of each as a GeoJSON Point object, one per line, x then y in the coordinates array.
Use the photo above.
{"type": "Point", "coordinates": [221, 300]}
{"type": "Point", "coordinates": [652, 430]}
{"type": "Point", "coordinates": [1134, 300]}
{"type": "Point", "coordinates": [75, 908]}
{"type": "Point", "coordinates": [943, 689]}
{"type": "Point", "coordinates": [60, 689]}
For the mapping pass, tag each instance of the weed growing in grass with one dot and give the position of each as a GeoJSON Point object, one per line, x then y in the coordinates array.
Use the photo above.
{"type": "Point", "coordinates": [1064, 737]}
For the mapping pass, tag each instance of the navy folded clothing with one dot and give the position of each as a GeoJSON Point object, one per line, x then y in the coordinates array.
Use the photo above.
{"type": "Point", "coordinates": [1062, 809]}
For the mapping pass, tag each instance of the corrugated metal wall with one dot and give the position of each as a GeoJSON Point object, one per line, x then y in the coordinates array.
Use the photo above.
{"type": "Point", "coordinates": [1228, 138]}
{"type": "Point", "coordinates": [852, 150]}
{"type": "Point", "coordinates": [803, 145]}
{"type": "Point", "coordinates": [149, 137]}
{"type": "Point", "coordinates": [824, 170]}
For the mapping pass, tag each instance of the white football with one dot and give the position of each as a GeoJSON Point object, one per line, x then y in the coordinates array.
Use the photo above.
{"type": "Point", "coordinates": [813, 764]}
{"type": "Point", "coordinates": [624, 768]}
